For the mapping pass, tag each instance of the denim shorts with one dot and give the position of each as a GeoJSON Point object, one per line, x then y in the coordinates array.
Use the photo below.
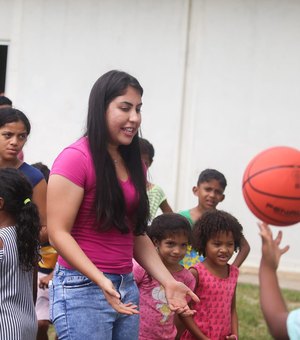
{"type": "Point", "coordinates": [79, 310]}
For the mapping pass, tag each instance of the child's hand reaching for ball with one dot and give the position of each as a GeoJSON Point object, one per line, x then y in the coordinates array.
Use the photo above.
{"type": "Point", "coordinates": [271, 252]}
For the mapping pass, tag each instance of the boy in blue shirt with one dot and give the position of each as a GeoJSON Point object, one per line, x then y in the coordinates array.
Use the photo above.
{"type": "Point", "coordinates": [210, 189]}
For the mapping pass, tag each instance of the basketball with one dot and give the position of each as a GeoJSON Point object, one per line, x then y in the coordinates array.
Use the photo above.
{"type": "Point", "coordinates": [271, 186]}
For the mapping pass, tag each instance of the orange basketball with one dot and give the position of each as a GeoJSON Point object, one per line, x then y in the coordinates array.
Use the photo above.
{"type": "Point", "coordinates": [271, 186]}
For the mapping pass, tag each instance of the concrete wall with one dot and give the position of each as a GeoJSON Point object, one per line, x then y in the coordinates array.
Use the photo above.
{"type": "Point", "coordinates": [221, 81]}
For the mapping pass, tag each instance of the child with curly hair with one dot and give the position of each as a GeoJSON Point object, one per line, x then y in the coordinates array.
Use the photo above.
{"type": "Point", "coordinates": [216, 236]}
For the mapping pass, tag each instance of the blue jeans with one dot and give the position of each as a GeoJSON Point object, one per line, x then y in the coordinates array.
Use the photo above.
{"type": "Point", "coordinates": [79, 310]}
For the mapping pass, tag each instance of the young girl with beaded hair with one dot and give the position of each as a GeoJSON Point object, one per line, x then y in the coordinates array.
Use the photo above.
{"type": "Point", "coordinates": [19, 233]}
{"type": "Point", "coordinates": [97, 216]}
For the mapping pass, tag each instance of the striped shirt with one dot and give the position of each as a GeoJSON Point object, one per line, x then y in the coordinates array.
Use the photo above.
{"type": "Point", "coordinates": [156, 196]}
{"type": "Point", "coordinates": [17, 315]}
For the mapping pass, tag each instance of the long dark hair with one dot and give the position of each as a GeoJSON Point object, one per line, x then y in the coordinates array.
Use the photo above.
{"type": "Point", "coordinates": [109, 202]}
{"type": "Point", "coordinates": [10, 115]}
{"type": "Point", "coordinates": [16, 192]}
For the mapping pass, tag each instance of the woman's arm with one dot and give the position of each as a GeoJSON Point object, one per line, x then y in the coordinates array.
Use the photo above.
{"type": "Point", "coordinates": [176, 292]}
{"type": "Point", "coordinates": [243, 253]}
{"type": "Point", "coordinates": [272, 302]}
{"type": "Point", "coordinates": [39, 197]}
{"type": "Point", "coordinates": [63, 201]}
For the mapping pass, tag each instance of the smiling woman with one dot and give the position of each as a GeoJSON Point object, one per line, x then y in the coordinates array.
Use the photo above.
{"type": "Point", "coordinates": [97, 217]}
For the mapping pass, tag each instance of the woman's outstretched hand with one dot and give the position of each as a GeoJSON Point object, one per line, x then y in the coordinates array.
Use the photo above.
{"type": "Point", "coordinates": [177, 294]}
{"type": "Point", "coordinates": [113, 298]}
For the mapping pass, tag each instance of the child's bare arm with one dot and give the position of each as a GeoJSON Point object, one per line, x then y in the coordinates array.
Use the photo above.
{"type": "Point", "coordinates": [234, 320]}
{"type": "Point", "coordinates": [44, 281]}
{"type": "Point", "coordinates": [191, 326]}
{"type": "Point", "coordinates": [272, 303]}
{"type": "Point", "coordinates": [188, 321]}
{"type": "Point", "coordinates": [179, 326]}
{"type": "Point", "coordinates": [243, 253]}
{"type": "Point", "coordinates": [165, 207]}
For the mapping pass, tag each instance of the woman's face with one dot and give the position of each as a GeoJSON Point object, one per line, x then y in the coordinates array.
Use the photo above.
{"type": "Point", "coordinates": [123, 117]}
{"type": "Point", "coordinates": [13, 136]}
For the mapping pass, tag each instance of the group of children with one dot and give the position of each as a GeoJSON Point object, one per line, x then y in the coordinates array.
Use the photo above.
{"type": "Point", "coordinates": [198, 254]}
{"type": "Point", "coordinates": [195, 245]}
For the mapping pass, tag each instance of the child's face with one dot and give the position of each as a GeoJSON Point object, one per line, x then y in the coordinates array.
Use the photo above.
{"type": "Point", "coordinates": [146, 160]}
{"type": "Point", "coordinates": [209, 194]}
{"type": "Point", "coordinates": [220, 248]}
{"type": "Point", "coordinates": [172, 249]}
{"type": "Point", "coordinates": [13, 136]}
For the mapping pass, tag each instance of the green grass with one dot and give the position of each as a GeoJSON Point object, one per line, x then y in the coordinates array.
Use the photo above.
{"type": "Point", "coordinates": [251, 322]}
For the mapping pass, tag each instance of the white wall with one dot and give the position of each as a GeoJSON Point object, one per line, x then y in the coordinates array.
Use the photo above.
{"type": "Point", "coordinates": [242, 97]}
{"type": "Point", "coordinates": [221, 81]}
{"type": "Point", "coordinates": [63, 47]}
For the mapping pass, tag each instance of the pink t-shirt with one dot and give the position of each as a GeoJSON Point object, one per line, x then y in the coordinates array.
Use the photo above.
{"type": "Point", "coordinates": [111, 251]}
{"type": "Point", "coordinates": [213, 315]}
{"type": "Point", "coordinates": [156, 319]}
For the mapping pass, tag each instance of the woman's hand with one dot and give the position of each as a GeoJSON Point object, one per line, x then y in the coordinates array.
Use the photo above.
{"type": "Point", "coordinates": [113, 298]}
{"type": "Point", "coordinates": [176, 294]}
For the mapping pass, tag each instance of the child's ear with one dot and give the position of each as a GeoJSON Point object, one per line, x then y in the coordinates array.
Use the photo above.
{"type": "Point", "coordinates": [222, 199]}
{"type": "Point", "coordinates": [195, 190]}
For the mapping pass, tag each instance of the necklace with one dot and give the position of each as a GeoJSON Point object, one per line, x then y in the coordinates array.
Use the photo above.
{"type": "Point", "coordinates": [117, 159]}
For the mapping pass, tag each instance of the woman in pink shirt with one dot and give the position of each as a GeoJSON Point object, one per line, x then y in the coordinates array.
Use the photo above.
{"type": "Point", "coordinates": [97, 216]}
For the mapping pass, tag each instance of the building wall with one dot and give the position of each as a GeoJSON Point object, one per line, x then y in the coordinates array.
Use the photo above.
{"type": "Point", "coordinates": [241, 98]}
{"type": "Point", "coordinates": [221, 81]}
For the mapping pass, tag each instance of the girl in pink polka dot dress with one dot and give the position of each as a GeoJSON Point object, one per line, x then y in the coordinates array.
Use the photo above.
{"type": "Point", "coordinates": [216, 236]}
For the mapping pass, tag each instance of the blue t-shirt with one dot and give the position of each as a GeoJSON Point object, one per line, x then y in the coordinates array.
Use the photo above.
{"type": "Point", "coordinates": [293, 324]}
{"type": "Point", "coordinates": [33, 174]}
